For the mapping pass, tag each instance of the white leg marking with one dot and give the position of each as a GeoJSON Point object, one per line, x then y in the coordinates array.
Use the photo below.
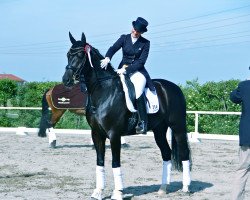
{"type": "Point", "coordinates": [186, 175]}
{"type": "Point", "coordinates": [52, 135]}
{"type": "Point", "coordinates": [118, 178]}
{"type": "Point", "coordinates": [166, 176]}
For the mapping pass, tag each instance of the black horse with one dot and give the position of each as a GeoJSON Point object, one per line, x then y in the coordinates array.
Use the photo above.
{"type": "Point", "coordinates": [48, 121]}
{"type": "Point", "coordinates": [109, 117]}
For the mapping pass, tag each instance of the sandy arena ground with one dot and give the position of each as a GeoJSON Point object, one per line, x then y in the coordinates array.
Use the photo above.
{"type": "Point", "coordinates": [30, 170]}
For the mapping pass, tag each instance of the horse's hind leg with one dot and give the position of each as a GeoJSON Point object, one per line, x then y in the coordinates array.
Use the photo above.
{"type": "Point", "coordinates": [56, 115]}
{"type": "Point", "coordinates": [99, 143]}
{"type": "Point", "coordinates": [161, 141]}
{"type": "Point", "coordinates": [44, 118]}
{"type": "Point", "coordinates": [180, 140]}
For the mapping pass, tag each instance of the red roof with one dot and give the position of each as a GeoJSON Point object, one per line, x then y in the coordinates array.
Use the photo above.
{"type": "Point", "coordinates": [11, 77]}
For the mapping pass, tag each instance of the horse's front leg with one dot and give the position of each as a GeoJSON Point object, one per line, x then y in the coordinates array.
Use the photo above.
{"type": "Point", "coordinates": [99, 143]}
{"type": "Point", "coordinates": [115, 142]}
{"type": "Point", "coordinates": [162, 143]}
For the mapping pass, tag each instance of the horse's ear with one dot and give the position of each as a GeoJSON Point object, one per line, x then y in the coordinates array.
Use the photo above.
{"type": "Point", "coordinates": [83, 38]}
{"type": "Point", "coordinates": [72, 39]}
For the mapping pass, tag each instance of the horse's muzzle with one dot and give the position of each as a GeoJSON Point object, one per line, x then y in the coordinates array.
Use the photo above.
{"type": "Point", "coordinates": [67, 78]}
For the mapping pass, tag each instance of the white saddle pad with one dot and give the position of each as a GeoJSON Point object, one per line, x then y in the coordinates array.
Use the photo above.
{"type": "Point", "coordinates": [152, 98]}
{"type": "Point", "coordinates": [152, 101]}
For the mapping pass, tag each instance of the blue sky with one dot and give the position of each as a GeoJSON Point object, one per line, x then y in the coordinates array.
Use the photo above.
{"type": "Point", "coordinates": [204, 39]}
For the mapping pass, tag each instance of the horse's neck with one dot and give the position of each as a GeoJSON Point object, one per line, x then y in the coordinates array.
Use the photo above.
{"type": "Point", "coordinates": [106, 94]}
{"type": "Point", "coordinates": [96, 76]}
{"type": "Point", "coordinates": [104, 87]}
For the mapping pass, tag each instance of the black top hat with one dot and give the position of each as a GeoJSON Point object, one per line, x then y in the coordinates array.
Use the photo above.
{"type": "Point", "coordinates": [140, 25]}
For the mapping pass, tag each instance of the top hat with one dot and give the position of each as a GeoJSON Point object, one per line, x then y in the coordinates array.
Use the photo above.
{"type": "Point", "coordinates": [140, 25]}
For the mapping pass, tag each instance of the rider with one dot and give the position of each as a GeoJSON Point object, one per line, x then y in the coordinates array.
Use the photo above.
{"type": "Point", "coordinates": [135, 49]}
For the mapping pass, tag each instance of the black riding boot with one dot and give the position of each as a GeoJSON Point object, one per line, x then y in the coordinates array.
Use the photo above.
{"type": "Point", "coordinates": [141, 127]}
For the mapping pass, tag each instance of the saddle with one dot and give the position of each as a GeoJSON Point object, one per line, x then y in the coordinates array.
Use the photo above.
{"type": "Point", "coordinates": [65, 98]}
{"type": "Point", "coordinates": [152, 102]}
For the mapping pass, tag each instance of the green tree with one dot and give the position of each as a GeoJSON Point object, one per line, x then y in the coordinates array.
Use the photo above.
{"type": "Point", "coordinates": [30, 94]}
{"type": "Point", "coordinates": [8, 90]}
{"type": "Point", "coordinates": [215, 95]}
{"type": "Point", "coordinates": [212, 96]}
{"type": "Point", "coordinates": [192, 95]}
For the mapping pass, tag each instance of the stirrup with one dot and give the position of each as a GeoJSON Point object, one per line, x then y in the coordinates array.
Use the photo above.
{"type": "Point", "coordinates": [141, 128]}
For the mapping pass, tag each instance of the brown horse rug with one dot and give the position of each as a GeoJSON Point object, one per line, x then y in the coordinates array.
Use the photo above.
{"type": "Point", "coordinates": [65, 98]}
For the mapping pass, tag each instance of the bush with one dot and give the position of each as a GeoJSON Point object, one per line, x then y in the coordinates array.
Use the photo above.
{"type": "Point", "coordinates": [30, 95]}
{"type": "Point", "coordinates": [211, 96]}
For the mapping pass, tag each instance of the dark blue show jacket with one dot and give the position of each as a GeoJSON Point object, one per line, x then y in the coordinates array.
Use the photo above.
{"type": "Point", "coordinates": [134, 55]}
{"type": "Point", "coordinates": [241, 95]}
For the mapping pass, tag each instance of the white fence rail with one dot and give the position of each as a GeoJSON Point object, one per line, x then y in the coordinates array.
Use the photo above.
{"type": "Point", "coordinates": [194, 134]}
{"type": "Point", "coordinates": [197, 113]}
{"type": "Point", "coordinates": [20, 108]}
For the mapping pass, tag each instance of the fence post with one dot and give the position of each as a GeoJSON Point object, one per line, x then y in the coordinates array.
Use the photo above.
{"type": "Point", "coordinates": [196, 122]}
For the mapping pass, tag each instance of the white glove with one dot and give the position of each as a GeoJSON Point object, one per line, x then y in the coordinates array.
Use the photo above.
{"type": "Point", "coordinates": [105, 62]}
{"type": "Point", "coordinates": [121, 71]}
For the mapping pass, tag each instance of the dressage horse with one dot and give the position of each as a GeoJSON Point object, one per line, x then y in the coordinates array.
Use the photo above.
{"type": "Point", "coordinates": [48, 122]}
{"type": "Point", "coordinates": [109, 117]}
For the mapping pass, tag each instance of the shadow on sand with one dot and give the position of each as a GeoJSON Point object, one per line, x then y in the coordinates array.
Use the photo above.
{"type": "Point", "coordinates": [133, 191]}
{"type": "Point", "coordinates": [74, 146]}
{"type": "Point", "coordinates": [196, 186]}
{"type": "Point", "coordinates": [125, 146]}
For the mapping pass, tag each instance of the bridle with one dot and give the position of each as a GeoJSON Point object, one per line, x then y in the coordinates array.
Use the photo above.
{"type": "Point", "coordinates": [77, 70]}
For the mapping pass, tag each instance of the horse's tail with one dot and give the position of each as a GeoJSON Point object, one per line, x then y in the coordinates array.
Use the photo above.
{"type": "Point", "coordinates": [176, 161]}
{"type": "Point", "coordinates": [45, 116]}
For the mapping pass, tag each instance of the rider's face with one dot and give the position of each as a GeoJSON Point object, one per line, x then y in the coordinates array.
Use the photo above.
{"type": "Point", "coordinates": [135, 33]}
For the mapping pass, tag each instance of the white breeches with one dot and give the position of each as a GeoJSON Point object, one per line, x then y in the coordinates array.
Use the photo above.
{"type": "Point", "coordinates": [139, 82]}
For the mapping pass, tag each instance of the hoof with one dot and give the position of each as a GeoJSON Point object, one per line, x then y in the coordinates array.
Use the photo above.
{"type": "Point", "coordinates": [185, 188]}
{"type": "Point", "coordinates": [97, 194]}
{"type": "Point", "coordinates": [162, 190]}
{"type": "Point", "coordinates": [117, 195]}
{"type": "Point", "coordinates": [53, 144]}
